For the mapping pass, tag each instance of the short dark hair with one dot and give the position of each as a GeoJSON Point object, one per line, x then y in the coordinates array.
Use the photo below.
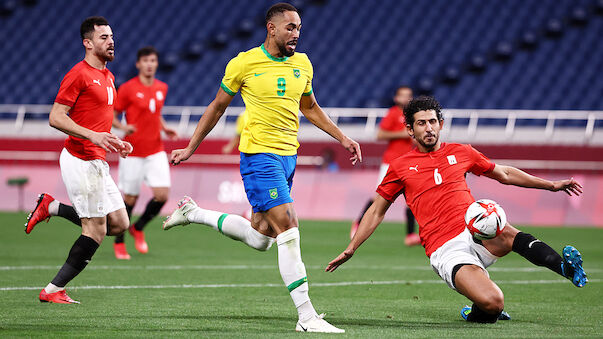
{"type": "Point", "coordinates": [147, 50]}
{"type": "Point", "coordinates": [403, 87]}
{"type": "Point", "coordinates": [279, 9]}
{"type": "Point", "coordinates": [87, 27]}
{"type": "Point", "coordinates": [422, 103]}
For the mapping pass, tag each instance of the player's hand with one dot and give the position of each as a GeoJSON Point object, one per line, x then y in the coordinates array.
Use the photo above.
{"type": "Point", "coordinates": [354, 148]}
{"type": "Point", "coordinates": [107, 141]}
{"type": "Point", "coordinates": [126, 150]}
{"type": "Point", "coordinates": [129, 129]}
{"type": "Point", "coordinates": [171, 133]}
{"type": "Point", "coordinates": [568, 186]}
{"type": "Point", "coordinates": [343, 257]}
{"type": "Point", "coordinates": [180, 155]}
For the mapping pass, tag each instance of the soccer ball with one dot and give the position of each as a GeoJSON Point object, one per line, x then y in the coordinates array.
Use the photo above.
{"type": "Point", "coordinates": [485, 219]}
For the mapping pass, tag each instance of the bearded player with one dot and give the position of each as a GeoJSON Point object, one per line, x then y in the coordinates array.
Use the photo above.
{"type": "Point", "coordinates": [83, 109]}
{"type": "Point", "coordinates": [142, 99]}
{"type": "Point", "coordinates": [432, 179]}
{"type": "Point", "coordinates": [275, 83]}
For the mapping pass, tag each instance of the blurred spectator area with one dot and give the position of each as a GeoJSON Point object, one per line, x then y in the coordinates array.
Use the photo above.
{"type": "Point", "coordinates": [512, 54]}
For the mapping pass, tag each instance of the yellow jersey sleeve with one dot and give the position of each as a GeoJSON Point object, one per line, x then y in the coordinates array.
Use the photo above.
{"type": "Point", "coordinates": [233, 75]}
{"type": "Point", "coordinates": [308, 90]}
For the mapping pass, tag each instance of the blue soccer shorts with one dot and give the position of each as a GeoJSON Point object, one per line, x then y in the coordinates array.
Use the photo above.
{"type": "Point", "coordinates": [268, 179]}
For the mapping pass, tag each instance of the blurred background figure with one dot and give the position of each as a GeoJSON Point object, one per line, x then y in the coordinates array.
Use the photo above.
{"type": "Point", "coordinates": [393, 130]}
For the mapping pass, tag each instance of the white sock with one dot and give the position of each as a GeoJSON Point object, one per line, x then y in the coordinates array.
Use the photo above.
{"type": "Point", "coordinates": [233, 226]}
{"type": "Point", "coordinates": [52, 288]}
{"type": "Point", "coordinates": [293, 272]}
{"type": "Point", "coordinates": [53, 208]}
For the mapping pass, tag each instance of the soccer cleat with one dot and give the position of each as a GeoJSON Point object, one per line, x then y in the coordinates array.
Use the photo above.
{"type": "Point", "coordinates": [120, 251]}
{"type": "Point", "coordinates": [40, 212]}
{"type": "Point", "coordinates": [412, 239]}
{"type": "Point", "coordinates": [572, 266]}
{"type": "Point", "coordinates": [465, 311]}
{"type": "Point", "coordinates": [178, 217]}
{"type": "Point", "coordinates": [139, 241]}
{"type": "Point", "coordinates": [59, 297]}
{"type": "Point", "coordinates": [317, 324]}
{"type": "Point", "coordinates": [354, 228]}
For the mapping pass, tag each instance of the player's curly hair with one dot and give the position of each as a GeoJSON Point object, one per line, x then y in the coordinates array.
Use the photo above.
{"type": "Point", "coordinates": [422, 103]}
{"type": "Point", "coordinates": [87, 27]}
{"type": "Point", "coordinates": [279, 8]}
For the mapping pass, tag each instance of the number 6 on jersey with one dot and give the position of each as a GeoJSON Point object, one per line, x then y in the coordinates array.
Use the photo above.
{"type": "Point", "coordinates": [437, 177]}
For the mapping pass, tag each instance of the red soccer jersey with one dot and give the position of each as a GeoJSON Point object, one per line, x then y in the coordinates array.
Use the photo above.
{"type": "Point", "coordinates": [90, 93]}
{"type": "Point", "coordinates": [394, 121]}
{"type": "Point", "coordinates": [143, 106]}
{"type": "Point", "coordinates": [435, 189]}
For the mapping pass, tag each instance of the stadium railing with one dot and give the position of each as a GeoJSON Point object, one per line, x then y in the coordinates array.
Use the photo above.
{"type": "Point", "coordinates": [461, 125]}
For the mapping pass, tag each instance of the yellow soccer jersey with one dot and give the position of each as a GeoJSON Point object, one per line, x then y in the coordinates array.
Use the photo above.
{"type": "Point", "coordinates": [241, 122]}
{"type": "Point", "coordinates": [271, 89]}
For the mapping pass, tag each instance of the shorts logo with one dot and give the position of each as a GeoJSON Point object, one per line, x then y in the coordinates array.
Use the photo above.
{"type": "Point", "coordinates": [273, 193]}
{"type": "Point", "coordinates": [296, 73]}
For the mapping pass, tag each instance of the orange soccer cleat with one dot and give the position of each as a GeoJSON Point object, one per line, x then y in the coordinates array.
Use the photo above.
{"type": "Point", "coordinates": [40, 212]}
{"type": "Point", "coordinates": [120, 251]}
{"type": "Point", "coordinates": [139, 242]}
{"type": "Point", "coordinates": [59, 297]}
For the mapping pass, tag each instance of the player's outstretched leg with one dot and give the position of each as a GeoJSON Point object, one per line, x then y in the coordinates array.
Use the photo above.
{"type": "Point", "coordinates": [412, 238]}
{"type": "Point", "coordinates": [79, 256]}
{"type": "Point", "coordinates": [541, 254]}
{"type": "Point", "coordinates": [293, 272]}
{"type": "Point", "coordinates": [119, 245]}
{"type": "Point", "coordinates": [488, 300]}
{"type": "Point", "coordinates": [231, 225]}
{"type": "Point", "coordinates": [136, 230]}
{"type": "Point", "coordinates": [47, 206]}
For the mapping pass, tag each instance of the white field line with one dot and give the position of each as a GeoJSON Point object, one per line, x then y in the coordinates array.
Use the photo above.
{"type": "Point", "coordinates": [334, 284]}
{"type": "Point", "coordinates": [267, 267]}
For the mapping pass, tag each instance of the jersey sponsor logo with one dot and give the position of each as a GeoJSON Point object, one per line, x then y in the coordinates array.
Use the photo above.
{"type": "Point", "coordinates": [296, 73]}
{"type": "Point", "coordinates": [96, 82]}
{"type": "Point", "coordinates": [140, 95]}
{"type": "Point", "coordinates": [273, 193]}
{"type": "Point", "coordinates": [258, 74]}
{"type": "Point", "coordinates": [451, 159]}
{"type": "Point", "coordinates": [159, 95]}
{"type": "Point", "coordinates": [415, 168]}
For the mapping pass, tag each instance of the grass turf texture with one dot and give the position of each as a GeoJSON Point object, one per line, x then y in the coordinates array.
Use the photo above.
{"type": "Point", "coordinates": [540, 302]}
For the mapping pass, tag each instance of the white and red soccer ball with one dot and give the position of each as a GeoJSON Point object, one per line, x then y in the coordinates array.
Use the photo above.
{"type": "Point", "coordinates": [485, 219]}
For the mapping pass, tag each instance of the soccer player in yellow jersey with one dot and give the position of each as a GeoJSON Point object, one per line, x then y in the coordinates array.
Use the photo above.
{"type": "Point", "coordinates": [275, 83]}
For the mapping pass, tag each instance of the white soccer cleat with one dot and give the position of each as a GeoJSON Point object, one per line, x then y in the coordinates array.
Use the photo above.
{"type": "Point", "coordinates": [317, 324]}
{"type": "Point", "coordinates": [178, 217]}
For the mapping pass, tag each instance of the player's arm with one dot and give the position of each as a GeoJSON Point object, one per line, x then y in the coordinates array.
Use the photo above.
{"type": "Point", "coordinates": [312, 111]}
{"type": "Point", "coordinates": [385, 135]}
{"type": "Point", "coordinates": [208, 120]}
{"type": "Point", "coordinates": [129, 129]}
{"type": "Point", "coordinates": [232, 144]}
{"type": "Point", "coordinates": [372, 218]}
{"type": "Point", "coordinates": [170, 132]}
{"type": "Point", "coordinates": [59, 119]}
{"type": "Point", "coordinates": [509, 175]}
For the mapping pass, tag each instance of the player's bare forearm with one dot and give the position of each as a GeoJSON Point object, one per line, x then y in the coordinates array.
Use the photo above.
{"type": "Point", "coordinates": [371, 220]}
{"type": "Point", "coordinates": [319, 118]}
{"type": "Point", "coordinates": [509, 175]}
{"type": "Point", "coordinates": [385, 135]}
{"type": "Point", "coordinates": [314, 113]}
{"type": "Point", "coordinates": [60, 120]}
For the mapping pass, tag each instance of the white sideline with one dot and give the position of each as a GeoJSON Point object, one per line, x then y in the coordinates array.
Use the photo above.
{"type": "Point", "coordinates": [425, 267]}
{"type": "Point", "coordinates": [334, 284]}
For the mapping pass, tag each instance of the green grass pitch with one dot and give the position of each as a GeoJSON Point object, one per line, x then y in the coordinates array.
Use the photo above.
{"type": "Point", "coordinates": [196, 283]}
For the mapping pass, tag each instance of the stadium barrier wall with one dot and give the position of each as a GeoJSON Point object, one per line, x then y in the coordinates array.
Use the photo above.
{"type": "Point", "coordinates": [324, 195]}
